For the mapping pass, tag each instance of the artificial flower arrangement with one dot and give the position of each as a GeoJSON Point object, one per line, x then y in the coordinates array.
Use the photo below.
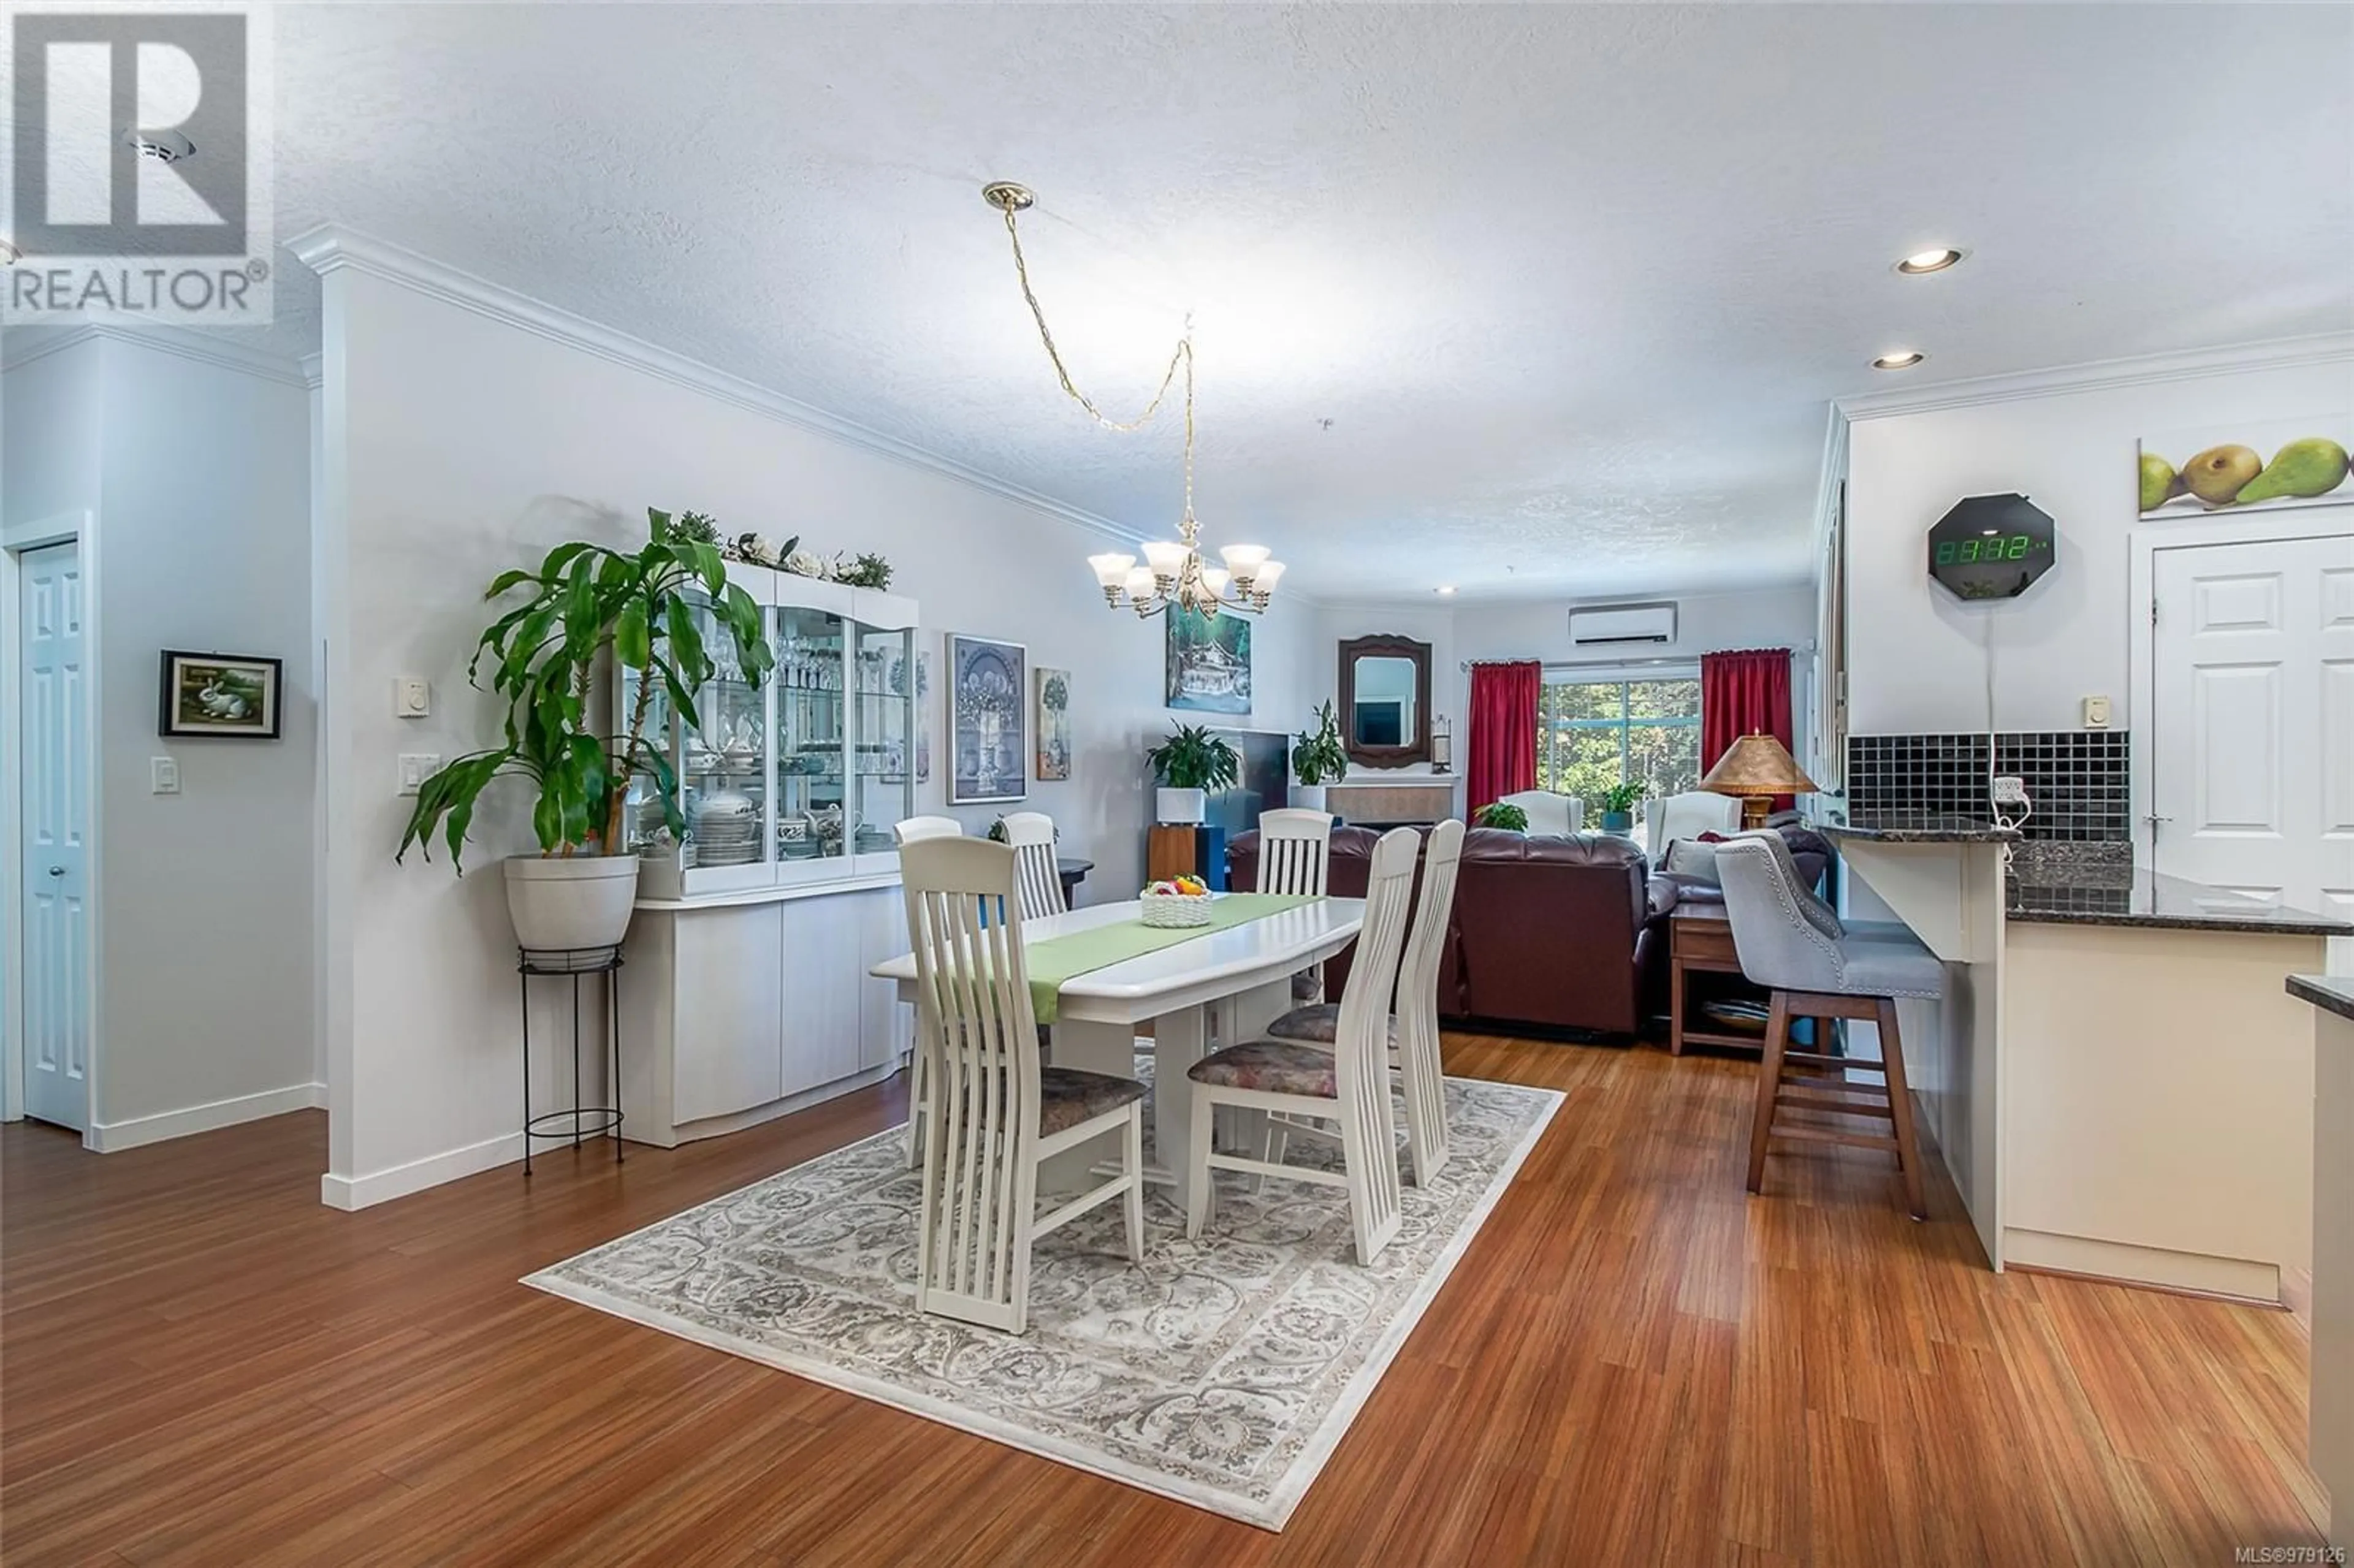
{"type": "Point", "coordinates": [1177, 900]}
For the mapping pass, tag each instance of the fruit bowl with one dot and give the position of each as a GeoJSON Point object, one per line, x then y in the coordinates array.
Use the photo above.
{"type": "Point", "coordinates": [1170, 905]}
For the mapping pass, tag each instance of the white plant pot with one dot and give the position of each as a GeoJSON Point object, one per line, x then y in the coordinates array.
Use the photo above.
{"type": "Point", "coordinates": [576, 901]}
{"type": "Point", "coordinates": [1308, 797]}
{"type": "Point", "coordinates": [1181, 805]}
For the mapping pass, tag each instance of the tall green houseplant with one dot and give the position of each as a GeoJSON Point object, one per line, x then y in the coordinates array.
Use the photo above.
{"type": "Point", "coordinates": [1189, 764]}
{"type": "Point", "coordinates": [583, 605]}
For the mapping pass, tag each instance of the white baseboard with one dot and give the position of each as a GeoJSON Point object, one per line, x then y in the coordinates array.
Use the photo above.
{"type": "Point", "coordinates": [399, 1180]}
{"type": "Point", "coordinates": [114, 1137]}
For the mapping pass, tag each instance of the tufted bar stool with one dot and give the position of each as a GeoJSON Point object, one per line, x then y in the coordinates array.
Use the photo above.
{"type": "Point", "coordinates": [1791, 941]}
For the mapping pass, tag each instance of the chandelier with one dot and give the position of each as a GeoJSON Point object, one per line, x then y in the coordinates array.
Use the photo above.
{"type": "Point", "coordinates": [1173, 572]}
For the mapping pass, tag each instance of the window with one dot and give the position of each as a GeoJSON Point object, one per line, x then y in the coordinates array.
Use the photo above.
{"type": "Point", "coordinates": [1597, 730]}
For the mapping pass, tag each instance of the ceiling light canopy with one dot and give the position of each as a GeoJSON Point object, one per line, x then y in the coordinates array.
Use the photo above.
{"type": "Point", "coordinates": [1904, 359]}
{"type": "Point", "coordinates": [1922, 262]}
{"type": "Point", "coordinates": [1174, 574]}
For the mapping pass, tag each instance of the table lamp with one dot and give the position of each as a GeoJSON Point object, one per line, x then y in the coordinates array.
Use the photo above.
{"type": "Point", "coordinates": [1757, 767]}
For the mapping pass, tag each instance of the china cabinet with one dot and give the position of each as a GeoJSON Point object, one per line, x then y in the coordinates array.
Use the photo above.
{"type": "Point", "coordinates": [745, 993]}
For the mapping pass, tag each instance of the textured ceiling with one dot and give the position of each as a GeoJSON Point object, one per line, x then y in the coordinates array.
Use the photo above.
{"type": "Point", "coordinates": [1542, 299]}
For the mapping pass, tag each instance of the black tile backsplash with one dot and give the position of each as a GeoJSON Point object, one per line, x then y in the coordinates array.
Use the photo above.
{"type": "Point", "coordinates": [2075, 777]}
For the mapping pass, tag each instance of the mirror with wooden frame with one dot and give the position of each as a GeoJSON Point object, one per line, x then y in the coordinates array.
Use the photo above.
{"type": "Point", "coordinates": [1385, 700]}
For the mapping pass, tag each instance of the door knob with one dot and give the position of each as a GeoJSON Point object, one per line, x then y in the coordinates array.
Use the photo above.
{"type": "Point", "coordinates": [57, 870]}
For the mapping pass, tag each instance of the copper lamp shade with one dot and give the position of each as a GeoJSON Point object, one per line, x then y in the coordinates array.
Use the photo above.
{"type": "Point", "coordinates": [1758, 768]}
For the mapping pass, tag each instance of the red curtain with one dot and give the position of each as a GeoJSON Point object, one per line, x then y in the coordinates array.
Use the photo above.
{"type": "Point", "coordinates": [1744, 693]}
{"type": "Point", "coordinates": [1504, 749]}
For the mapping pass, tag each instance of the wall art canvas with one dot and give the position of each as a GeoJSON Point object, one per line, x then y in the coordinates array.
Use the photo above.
{"type": "Point", "coordinates": [2264, 464]}
{"type": "Point", "coordinates": [1054, 725]}
{"type": "Point", "coordinates": [219, 695]}
{"type": "Point", "coordinates": [1209, 662]}
{"type": "Point", "coordinates": [989, 742]}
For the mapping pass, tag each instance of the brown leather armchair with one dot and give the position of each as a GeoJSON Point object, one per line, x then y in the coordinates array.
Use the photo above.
{"type": "Point", "coordinates": [1546, 932]}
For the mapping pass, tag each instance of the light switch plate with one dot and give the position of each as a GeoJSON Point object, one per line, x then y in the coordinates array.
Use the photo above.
{"type": "Point", "coordinates": [415, 767]}
{"type": "Point", "coordinates": [2097, 713]}
{"type": "Point", "coordinates": [412, 696]}
{"type": "Point", "coordinates": [162, 775]}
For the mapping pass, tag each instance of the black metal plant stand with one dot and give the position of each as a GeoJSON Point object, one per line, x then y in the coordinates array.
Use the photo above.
{"type": "Point", "coordinates": [578, 964]}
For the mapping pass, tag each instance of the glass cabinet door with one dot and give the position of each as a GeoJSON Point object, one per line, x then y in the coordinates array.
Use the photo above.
{"type": "Point", "coordinates": [723, 773]}
{"type": "Point", "coordinates": [813, 830]}
{"type": "Point", "coordinates": [883, 729]}
{"type": "Point", "coordinates": [645, 826]}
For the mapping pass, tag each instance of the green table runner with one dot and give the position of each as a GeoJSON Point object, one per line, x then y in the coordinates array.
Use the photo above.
{"type": "Point", "coordinates": [1054, 960]}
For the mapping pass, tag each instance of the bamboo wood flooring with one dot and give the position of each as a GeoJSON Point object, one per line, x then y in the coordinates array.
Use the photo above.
{"type": "Point", "coordinates": [1635, 1362]}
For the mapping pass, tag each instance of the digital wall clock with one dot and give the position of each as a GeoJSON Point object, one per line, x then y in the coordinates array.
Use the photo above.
{"type": "Point", "coordinates": [1991, 546]}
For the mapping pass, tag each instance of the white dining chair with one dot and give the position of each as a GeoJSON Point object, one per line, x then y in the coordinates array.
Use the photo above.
{"type": "Point", "coordinates": [995, 1112]}
{"type": "Point", "coordinates": [1295, 856]}
{"type": "Point", "coordinates": [1549, 811]}
{"type": "Point", "coordinates": [916, 829]}
{"type": "Point", "coordinates": [1412, 1029]}
{"type": "Point", "coordinates": [1348, 1084]}
{"type": "Point", "coordinates": [1031, 836]}
{"type": "Point", "coordinates": [1687, 815]}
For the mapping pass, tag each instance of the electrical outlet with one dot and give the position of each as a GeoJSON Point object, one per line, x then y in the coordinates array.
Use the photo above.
{"type": "Point", "coordinates": [162, 775]}
{"type": "Point", "coordinates": [2008, 791]}
{"type": "Point", "coordinates": [415, 767]}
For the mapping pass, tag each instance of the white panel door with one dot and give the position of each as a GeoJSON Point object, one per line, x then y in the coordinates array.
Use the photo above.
{"type": "Point", "coordinates": [2252, 765]}
{"type": "Point", "coordinates": [823, 979]}
{"type": "Point", "coordinates": [55, 757]}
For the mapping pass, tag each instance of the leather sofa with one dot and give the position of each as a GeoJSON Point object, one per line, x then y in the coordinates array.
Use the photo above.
{"type": "Point", "coordinates": [1547, 932]}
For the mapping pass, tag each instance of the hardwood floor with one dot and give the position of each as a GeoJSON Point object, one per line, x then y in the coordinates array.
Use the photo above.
{"type": "Point", "coordinates": [1634, 1362]}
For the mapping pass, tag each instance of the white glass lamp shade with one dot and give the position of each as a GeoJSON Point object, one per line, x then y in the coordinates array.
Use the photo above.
{"type": "Point", "coordinates": [1141, 583]}
{"type": "Point", "coordinates": [1111, 571]}
{"type": "Point", "coordinates": [1214, 578]}
{"type": "Point", "coordinates": [1167, 559]}
{"type": "Point", "coordinates": [1269, 573]}
{"type": "Point", "coordinates": [1245, 560]}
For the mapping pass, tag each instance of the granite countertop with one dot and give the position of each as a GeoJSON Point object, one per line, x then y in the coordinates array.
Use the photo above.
{"type": "Point", "coordinates": [2322, 990]}
{"type": "Point", "coordinates": [2129, 896]}
{"type": "Point", "coordinates": [1916, 828]}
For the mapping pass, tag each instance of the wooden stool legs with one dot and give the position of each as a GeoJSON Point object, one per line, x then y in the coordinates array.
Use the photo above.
{"type": "Point", "coordinates": [1891, 1101]}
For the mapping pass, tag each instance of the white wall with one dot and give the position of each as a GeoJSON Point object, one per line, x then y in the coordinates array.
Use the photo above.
{"type": "Point", "coordinates": [1917, 656]}
{"type": "Point", "coordinates": [458, 444]}
{"type": "Point", "coordinates": [197, 471]}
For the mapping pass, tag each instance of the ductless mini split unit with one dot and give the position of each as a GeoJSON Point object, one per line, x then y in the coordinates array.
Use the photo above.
{"type": "Point", "coordinates": [1602, 625]}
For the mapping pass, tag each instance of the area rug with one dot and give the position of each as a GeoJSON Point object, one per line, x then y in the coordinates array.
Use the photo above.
{"type": "Point", "coordinates": [1221, 1373]}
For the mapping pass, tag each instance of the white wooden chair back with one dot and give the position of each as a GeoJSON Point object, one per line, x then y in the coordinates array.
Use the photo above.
{"type": "Point", "coordinates": [1361, 1044]}
{"type": "Point", "coordinates": [979, 1037]}
{"type": "Point", "coordinates": [1295, 851]}
{"type": "Point", "coordinates": [1036, 882]}
{"type": "Point", "coordinates": [1417, 1003]}
{"type": "Point", "coordinates": [916, 829]}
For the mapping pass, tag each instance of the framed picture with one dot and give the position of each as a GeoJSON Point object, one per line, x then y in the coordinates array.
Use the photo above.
{"type": "Point", "coordinates": [1054, 725]}
{"type": "Point", "coordinates": [989, 710]}
{"type": "Point", "coordinates": [1209, 663]}
{"type": "Point", "coordinates": [2267, 464]}
{"type": "Point", "coordinates": [221, 696]}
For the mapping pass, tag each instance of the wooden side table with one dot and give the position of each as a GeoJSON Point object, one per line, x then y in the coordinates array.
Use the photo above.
{"type": "Point", "coordinates": [1700, 941]}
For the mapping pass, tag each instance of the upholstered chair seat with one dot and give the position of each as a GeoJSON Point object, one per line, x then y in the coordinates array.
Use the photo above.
{"type": "Point", "coordinates": [1271, 1067]}
{"type": "Point", "coordinates": [1067, 1097]}
{"type": "Point", "coordinates": [1319, 1025]}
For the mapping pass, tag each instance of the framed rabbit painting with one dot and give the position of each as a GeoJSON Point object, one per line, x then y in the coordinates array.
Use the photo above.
{"type": "Point", "coordinates": [219, 696]}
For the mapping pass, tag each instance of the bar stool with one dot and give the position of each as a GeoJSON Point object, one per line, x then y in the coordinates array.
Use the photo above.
{"type": "Point", "coordinates": [1791, 940]}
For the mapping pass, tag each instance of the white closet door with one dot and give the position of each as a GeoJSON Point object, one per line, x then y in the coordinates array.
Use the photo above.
{"type": "Point", "coordinates": [55, 757]}
{"type": "Point", "coordinates": [2252, 771]}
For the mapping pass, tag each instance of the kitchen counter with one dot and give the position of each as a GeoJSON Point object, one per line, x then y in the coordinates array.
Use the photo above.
{"type": "Point", "coordinates": [2330, 995]}
{"type": "Point", "coordinates": [1916, 828]}
{"type": "Point", "coordinates": [2049, 897]}
{"type": "Point", "coordinates": [2329, 1406]}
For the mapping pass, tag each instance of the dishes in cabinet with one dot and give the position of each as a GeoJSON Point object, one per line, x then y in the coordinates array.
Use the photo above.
{"type": "Point", "coordinates": [726, 829]}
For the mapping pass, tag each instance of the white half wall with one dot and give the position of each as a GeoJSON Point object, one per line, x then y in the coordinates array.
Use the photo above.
{"type": "Point", "coordinates": [1917, 657]}
{"type": "Point", "coordinates": [467, 430]}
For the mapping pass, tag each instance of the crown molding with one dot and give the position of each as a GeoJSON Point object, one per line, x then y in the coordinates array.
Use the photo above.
{"type": "Point", "coordinates": [315, 370]}
{"type": "Point", "coordinates": [2275, 355]}
{"type": "Point", "coordinates": [332, 248]}
{"type": "Point", "coordinates": [201, 347]}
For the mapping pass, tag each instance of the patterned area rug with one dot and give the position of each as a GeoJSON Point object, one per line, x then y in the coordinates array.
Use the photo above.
{"type": "Point", "coordinates": [1221, 1373]}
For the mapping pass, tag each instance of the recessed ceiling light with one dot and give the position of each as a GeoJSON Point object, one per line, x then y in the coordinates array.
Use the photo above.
{"type": "Point", "coordinates": [1922, 262]}
{"type": "Point", "coordinates": [1904, 360]}
{"type": "Point", "coordinates": [1446, 587]}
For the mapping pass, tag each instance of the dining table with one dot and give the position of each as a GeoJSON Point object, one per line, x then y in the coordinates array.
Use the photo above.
{"type": "Point", "coordinates": [1221, 987]}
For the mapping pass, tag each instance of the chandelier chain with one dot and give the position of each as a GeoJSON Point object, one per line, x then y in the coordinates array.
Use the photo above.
{"type": "Point", "coordinates": [1183, 352]}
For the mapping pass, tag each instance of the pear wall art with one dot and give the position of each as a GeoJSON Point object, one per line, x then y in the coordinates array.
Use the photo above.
{"type": "Point", "coordinates": [2262, 464]}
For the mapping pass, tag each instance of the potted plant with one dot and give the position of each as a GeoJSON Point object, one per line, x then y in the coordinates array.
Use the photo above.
{"type": "Point", "coordinates": [1495, 814]}
{"type": "Point", "coordinates": [1317, 758]}
{"type": "Point", "coordinates": [1618, 806]}
{"type": "Point", "coordinates": [542, 655]}
{"type": "Point", "coordinates": [1189, 764]}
